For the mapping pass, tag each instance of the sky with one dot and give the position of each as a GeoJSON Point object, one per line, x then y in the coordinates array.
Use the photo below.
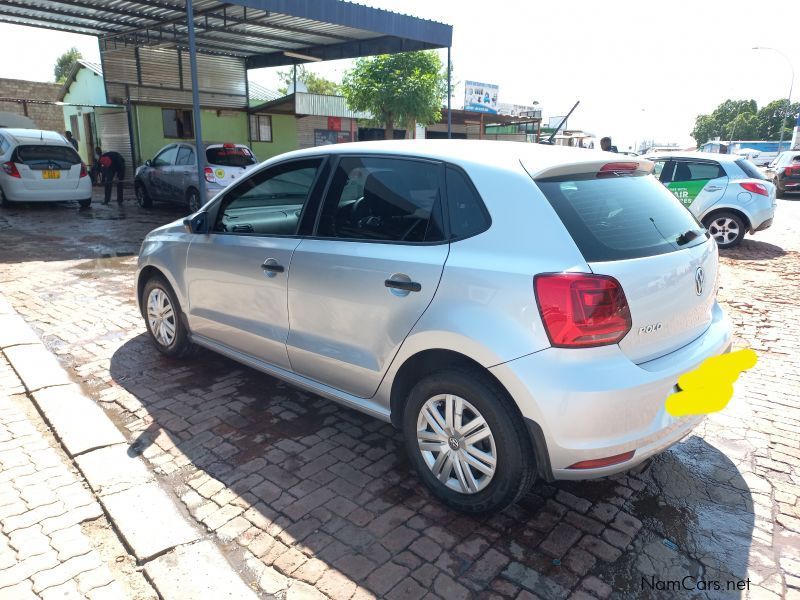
{"type": "Point", "coordinates": [640, 70]}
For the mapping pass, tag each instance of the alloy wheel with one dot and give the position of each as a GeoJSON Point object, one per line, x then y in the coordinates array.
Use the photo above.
{"type": "Point", "coordinates": [724, 230]}
{"type": "Point", "coordinates": [161, 317]}
{"type": "Point", "coordinates": [456, 443]}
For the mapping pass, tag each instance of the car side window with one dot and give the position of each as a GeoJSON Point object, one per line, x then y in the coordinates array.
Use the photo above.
{"type": "Point", "coordinates": [666, 172]}
{"type": "Point", "coordinates": [658, 168]}
{"type": "Point", "coordinates": [166, 157]}
{"type": "Point", "coordinates": [467, 213]}
{"type": "Point", "coordinates": [270, 202]}
{"type": "Point", "coordinates": [696, 171]}
{"type": "Point", "coordinates": [3, 145]}
{"type": "Point", "coordinates": [185, 156]}
{"type": "Point", "coordinates": [383, 199]}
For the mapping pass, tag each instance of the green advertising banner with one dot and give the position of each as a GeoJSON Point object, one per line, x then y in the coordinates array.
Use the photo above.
{"type": "Point", "coordinates": [687, 191]}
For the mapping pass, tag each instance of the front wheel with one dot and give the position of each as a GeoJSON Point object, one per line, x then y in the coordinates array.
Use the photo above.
{"type": "Point", "coordinates": [467, 442]}
{"type": "Point", "coordinates": [193, 199]}
{"type": "Point", "coordinates": [85, 203]}
{"type": "Point", "coordinates": [163, 318]}
{"type": "Point", "coordinates": [142, 197]}
{"type": "Point", "coordinates": [726, 228]}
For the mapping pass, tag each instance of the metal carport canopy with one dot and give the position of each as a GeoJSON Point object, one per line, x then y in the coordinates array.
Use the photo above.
{"type": "Point", "coordinates": [265, 33]}
{"type": "Point", "coordinates": [261, 31]}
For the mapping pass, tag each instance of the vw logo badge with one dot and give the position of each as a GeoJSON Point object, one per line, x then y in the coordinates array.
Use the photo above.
{"type": "Point", "coordinates": [699, 278]}
{"type": "Point", "coordinates": [453, 443]}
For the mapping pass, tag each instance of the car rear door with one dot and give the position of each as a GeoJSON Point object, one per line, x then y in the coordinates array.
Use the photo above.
{"type": "Point", "coordinates": [184, 171]}
{"type": "Point", "coordinates": [236, 275]}
{"type": "Point", "coordinates": [361, 282]}
{"type": "Point", "coordinates": [159, 171]}
{"type": "Point", "coordinates": [632, 229]}
{"type": "Point", "coordinates": [698, 184]}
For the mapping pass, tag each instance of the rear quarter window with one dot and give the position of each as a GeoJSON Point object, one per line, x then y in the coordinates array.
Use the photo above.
{"type": "Point", "coordinates": [621, 217]}
{"type": "Point", "coordinates": [750, 169]}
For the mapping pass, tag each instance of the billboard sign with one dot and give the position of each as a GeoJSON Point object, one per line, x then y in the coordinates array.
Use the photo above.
{"type": "Point", "coordinates": [480, 97]}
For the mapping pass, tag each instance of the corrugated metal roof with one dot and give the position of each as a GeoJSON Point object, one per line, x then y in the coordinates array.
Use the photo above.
{"type": "Point", "coordinates": [73, 73]}
{"type": "Point", "coordinates": [261, 31]}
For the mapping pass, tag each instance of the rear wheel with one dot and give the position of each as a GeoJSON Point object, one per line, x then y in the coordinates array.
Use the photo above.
{"type": "Point", "coordinates": [466, 441]}
{"type": "Point", "coordinates": [726, 228]}
{"type": "Point", "coordinates": [85, 203]}
{"type": "Point", "coordinates": [143, 199]}
{"type": "Point", "coordinates": [3, 200]}
{"type": "Point", "coordinates": [164, 318]}
{"type": "Point", "coordinates": [193, 199]}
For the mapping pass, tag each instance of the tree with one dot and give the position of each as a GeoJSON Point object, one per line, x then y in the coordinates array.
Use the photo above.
{"type": "Point", "coordinates": [64, 64]}
{"type": "Point", "coordinates": [743, 120]}
{"type": "Point", "coordinates": [769, 120]}
{"type": "Point", "coordinates": [720, 122]}
{"type": "Point", "coordinates": [316, 84]}
{"type": "Point", "coordinates": [398, 89]}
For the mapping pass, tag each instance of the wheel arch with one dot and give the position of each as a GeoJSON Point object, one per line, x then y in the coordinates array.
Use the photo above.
{"type": "Point", "coordinates": [145, 274]}
{"type": "Point", "coordinates": [737, 211]}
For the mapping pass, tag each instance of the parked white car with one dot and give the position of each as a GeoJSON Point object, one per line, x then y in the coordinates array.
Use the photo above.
{"type": "Point", "coordinates": [41, 166]}
{"type": "Point", "coordinates": [517, 310]}
{"type": "Point", "coordinates": [727, 193]}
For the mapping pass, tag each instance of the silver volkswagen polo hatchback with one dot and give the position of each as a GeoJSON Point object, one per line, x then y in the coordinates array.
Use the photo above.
{"type": "Point", "coordinates": [518, 311]}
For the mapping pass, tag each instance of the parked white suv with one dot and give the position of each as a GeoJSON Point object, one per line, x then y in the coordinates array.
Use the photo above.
{"type": "Point", "coordinates": [519, 311]}
{"type": "Point", "coordinates": [41, 166]}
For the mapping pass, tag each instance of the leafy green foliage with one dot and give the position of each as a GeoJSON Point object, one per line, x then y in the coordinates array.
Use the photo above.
{"type": "Point", "coordinates": [64, 64]}
{"type": "Point", "coordinates": [743, 120]}
{"type": "Point", "coordinates": [398, 89]}
{"type": "Point", "coordinates": [316, 84]}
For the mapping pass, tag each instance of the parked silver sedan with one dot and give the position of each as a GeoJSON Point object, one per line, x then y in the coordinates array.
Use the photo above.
{"type": "Point", "coordinates": [172, 174]}
{"type": "Point", "coordinates": [517, 310]}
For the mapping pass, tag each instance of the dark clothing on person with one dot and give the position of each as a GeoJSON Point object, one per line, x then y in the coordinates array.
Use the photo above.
{"type": "Point", "coordinates": [73, 141]}
{"type": "Point", "coordinates": [111, 164]}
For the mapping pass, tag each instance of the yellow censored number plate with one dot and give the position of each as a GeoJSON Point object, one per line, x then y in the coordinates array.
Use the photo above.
{"type": "Point", "coordinates": [709, 388]}
{"type": "Point", "coordinates": [51, 174]}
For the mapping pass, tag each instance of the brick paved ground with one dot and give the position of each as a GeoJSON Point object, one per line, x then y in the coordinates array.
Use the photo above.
{"type": "Point", "coordinates": [320, 497]}
{"type": "Point", "coordinates": [48, 514]}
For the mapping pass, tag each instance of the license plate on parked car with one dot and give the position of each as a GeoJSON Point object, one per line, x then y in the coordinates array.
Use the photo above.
{"type": "Point", "coordinates": [51, 174]}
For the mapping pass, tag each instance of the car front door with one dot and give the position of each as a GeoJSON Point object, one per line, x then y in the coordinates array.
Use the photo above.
{"type": "Point", "coordinates": [236, 274]}
{"type": "Point", "coordinates": [361, 282]}
{"type": "Point", "coordinates": [698, 184]}
{"type": "Point", "coordinates": [159, 171]}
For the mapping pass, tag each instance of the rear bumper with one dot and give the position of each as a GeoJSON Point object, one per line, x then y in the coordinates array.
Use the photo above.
{"type": "Point", "coordinates": [17, 192]}
{"type": "Point", "coordinates": [765, 225]}
{"type": "Point", "coordinates": [594, 403]}
{"type": "Point", "coordinates": [761, 217]}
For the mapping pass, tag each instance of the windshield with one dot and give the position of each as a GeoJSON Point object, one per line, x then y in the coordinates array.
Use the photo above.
{"type": "Point", "coordinates": [622, 217]}
{"type": "Point", "coordinates": [237, 156]}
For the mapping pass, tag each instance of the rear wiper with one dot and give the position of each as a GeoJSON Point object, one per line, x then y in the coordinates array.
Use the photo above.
{"type": "Point", "coordinates": [688, 236]}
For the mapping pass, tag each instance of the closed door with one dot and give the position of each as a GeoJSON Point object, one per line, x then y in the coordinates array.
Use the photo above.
{"type": "Point", "coordinates": [698, 184]}
{"type": "Point", "coordinates": [184, 171]}
{"type": "Point", "coordinates": [236, 275]}
{"type": "Point", "coordinates": [358, 286]}
{"type": "Point", "coordinates": [159, 172]}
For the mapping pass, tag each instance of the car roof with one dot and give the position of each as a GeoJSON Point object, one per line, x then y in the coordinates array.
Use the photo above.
{"type": "Point", "coordinates": [696, 155]}
{"type": "Point", "coordinates": [37, 136]}
{"type": "Point", "coordinates": [537, 158]}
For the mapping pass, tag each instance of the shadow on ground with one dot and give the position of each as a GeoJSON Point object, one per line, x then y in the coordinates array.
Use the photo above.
{"type": "Point", "coordinates": [323, 482]}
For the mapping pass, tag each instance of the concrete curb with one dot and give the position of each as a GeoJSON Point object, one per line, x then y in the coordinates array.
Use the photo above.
{"type": "Point", "coordinates": [146, 517]}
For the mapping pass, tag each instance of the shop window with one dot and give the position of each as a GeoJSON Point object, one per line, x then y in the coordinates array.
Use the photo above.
{"type": "Point", "coordinates": [177, 123]}
{"type": "Point", "coordinates": [260, 128]}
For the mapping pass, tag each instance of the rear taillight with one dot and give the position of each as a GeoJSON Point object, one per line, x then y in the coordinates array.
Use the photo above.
{"type": "Point", "coordinates": [791, 171]}
{"type": "Point", "coordinates": [209, 174]}
{"type": "Point", "coordinates": [582, 310]}
{"type": "Point", "coordinates": [755, 188]}
{"type": "Point", "coordinates": [84, 172]}
{"type": "Point", "coordinates": [617, 168]}
{"type": "Point", "coordinates": [10, 169]}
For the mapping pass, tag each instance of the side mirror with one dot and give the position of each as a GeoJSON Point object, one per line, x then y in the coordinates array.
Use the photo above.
{"type": "Point", "coordinates": [196, 223]}
{"type": "Point", "coordinates": [148, 163]}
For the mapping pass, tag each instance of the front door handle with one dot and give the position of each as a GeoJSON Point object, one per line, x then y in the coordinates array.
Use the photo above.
{"type": "Point", "coordinates": [406, 286]}
{"type": "Point", "coordinates": [272, 266]}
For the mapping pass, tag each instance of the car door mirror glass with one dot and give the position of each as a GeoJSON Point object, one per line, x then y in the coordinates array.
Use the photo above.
{"type": "Point", "coordinates": [148, 163]}
{"type": "Point", "coordinates": [196, 223]}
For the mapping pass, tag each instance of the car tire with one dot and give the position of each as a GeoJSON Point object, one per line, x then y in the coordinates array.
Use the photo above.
{"type": "Point", "coordinates": [164, 319]}
{"type": "Point", "coordinates": [85, 203]}
{"type": "Point", "coordinates": [143, 199]}
{"type": "Point", "coordinates": [448, 448]}
{"type": "Point", "coordinates": [193, 200]}
{"type": "Point", "coordinates": [779, 193]}
{"type": "Point", "coordinates": [4, 202]}
{"type": "Point", "coordinates": [726, 228]}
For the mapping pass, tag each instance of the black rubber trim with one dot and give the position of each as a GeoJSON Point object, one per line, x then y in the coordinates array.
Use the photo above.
{"type": "Point", "coordinates": [543, 469]}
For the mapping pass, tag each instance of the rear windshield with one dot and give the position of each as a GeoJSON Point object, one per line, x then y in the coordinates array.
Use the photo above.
{"type": "Point", "coordinates": [621, 217]}
{"type": "Point", "coordinates": [749, 168]}
{"type": "Point", "coordinates": [230, 157]}
{"type": "Point", "coordinates": [44, 157]}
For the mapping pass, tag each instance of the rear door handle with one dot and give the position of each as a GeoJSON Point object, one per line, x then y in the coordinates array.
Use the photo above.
{"type": "Point", "coordinates": [713, 188]}
{"type": "Point", "coordinates": [408, 286]}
